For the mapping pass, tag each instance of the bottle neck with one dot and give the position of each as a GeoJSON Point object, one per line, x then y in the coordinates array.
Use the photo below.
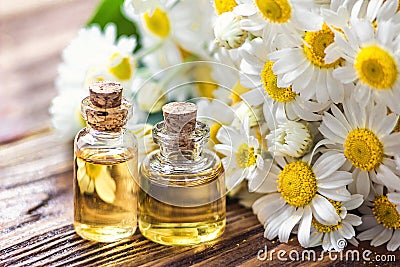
{"type": "Point", "coordinates": [181, 148]}
{"type": "Point", "coordinates": [103, 134]}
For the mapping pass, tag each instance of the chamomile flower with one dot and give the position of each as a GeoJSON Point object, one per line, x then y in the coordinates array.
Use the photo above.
{"type": "Point", "coordinates": [258, 74]}
{"type": "Point", "coordinates": [65, 111]}
{"type": "Point", "coordinates": [290, 138]}
{"type": "Point", "coordinates": [331, 236]}
{"type": "Point", "coordinates": [94, 56]}
{"type": "Point", "coordinates": [173, 30]}
{"type": "Point", "coordinates": [372, 62]}
{"type": "Point", "coordinates": [241, 150]}
{"type": "Point", "coordinates": [94, 177]}
{"type": "Point", "coordinates": [271, 18]}
{"type": "Point", "coordinates": [303, 65]}
{"type": "Point", "coordinates": [381, 221]}
{"type": "Point", "coordinates": [227, 31]}
{"type": "Point", "coordinates": [362, 135]}
{"type": "Point", "coordinates": [299, 191]}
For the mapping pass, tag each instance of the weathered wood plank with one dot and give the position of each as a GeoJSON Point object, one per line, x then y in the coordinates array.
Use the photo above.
{"type": "Point", "coordinates": [36, 223]}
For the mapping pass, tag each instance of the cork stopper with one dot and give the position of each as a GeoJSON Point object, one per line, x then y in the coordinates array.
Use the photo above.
{"type": "Point", "coordinates": [106, 94]}
{"type": "Point", "coordinates": [180, 117]}
{"type": "Point", "coordinates": [105, 108]}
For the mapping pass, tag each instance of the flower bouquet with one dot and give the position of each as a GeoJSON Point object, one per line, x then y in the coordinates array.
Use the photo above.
{"type": "Point", "coordinates": [302, 98]}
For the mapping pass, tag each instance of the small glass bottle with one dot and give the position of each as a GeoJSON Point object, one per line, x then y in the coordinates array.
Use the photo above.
{"type": "Point", "coordinates": [106, 166]}
{"type": "Point", "coordinates": [182, 185]}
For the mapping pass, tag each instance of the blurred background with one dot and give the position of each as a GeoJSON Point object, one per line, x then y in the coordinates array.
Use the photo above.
{"type": "Point", "coordinates": [32, 36]}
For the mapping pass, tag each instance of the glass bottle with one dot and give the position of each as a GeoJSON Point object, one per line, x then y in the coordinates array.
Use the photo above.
{"type": "Point", "coordinates": [106, 166]}
{"type": "Point", "coordinates": [181, 185]}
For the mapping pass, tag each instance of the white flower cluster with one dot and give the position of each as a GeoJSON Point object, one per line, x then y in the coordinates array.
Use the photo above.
{"type": "Point", "coordinates": [326, 77]}
{"type": "Point", "coordinates": [302, 98]}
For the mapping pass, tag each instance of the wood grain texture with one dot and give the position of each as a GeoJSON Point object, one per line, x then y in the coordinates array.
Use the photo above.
{"type": "Point", "coordinates": [36, 222]}
{"type": "Point", "coordinates": [36, 206]}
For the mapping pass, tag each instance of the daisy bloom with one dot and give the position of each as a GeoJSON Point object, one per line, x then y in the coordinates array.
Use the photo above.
{"type": "Point", "coordinates": [381, 221]}
{"type": "Point", "coordinates": [241, 150]}
{"type": "Point", "coordinates": [331, 236]}
{"type": "Point", "coordinates": [227, 31]}
{"type": "Point", "coordinates": [372, 62]}
{"type": "Point", "coordinates": [271, 18]}
{"type": "Point", "coordinates": [363, 136]}
{"type": "Point", "coordinates": [290, 138]}
{"type": "Point", "coordinates": [172, 30]}
{"type": "Point", "coordinates": [94, 56]}
{"type": "Point", "coordinates": [299, 191]}
{"type": "Point", "coordinates": [258, 74]}
{"type": "Point", "coordinates": [303, 66]}
{"type": "Point", "coordinates": [65, 111]}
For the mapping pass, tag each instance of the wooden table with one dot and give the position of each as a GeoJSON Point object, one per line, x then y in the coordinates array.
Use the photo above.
{"type": "Point", "coordinates": [36, 166]}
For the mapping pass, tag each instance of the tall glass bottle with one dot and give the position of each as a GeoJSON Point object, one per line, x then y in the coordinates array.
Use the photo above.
{"type": "Point", "coordinates": [105, 169]}
{"type": "Point", "coordinates": [181, 186]}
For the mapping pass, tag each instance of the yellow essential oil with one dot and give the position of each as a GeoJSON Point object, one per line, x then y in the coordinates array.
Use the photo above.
{"type": "Point", "coordinates": [105, 197]}
{"type": "Point", "coordinates": [182, 185]}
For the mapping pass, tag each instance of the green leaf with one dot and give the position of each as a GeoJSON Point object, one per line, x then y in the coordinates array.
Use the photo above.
{"type": "Point", "coordinates": [110, 11]}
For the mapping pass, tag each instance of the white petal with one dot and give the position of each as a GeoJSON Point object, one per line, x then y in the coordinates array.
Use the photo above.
{"type": "Point", "coordinates": [390, 179]}
{"type": "Point", "coordinates": [335, 180]}
{"type": "Point", "coordinates": [347, 231]}
{"type": "Point", "coordinates": [304, 227]}
{"type": "Point", "coordinates": [363, 183]}
{"type": "Point", "coordinates": [355, 201]}
{"type": "Point", "coordinates": [345, 74]}
{"type": "Point", "coordinates": [338, 194]}
{"type": "Point", "coordinates": [287, 226]}
{"type": "Point", "coordinates": [371, 233]}
{"type": "Point", "coordinates": [327, 164]}
{"type": "Point", "coordinates": [383, 237]}
{"type": "Point", "coordinates": [394, 243]}
{"type": "Point", "coordinates": [323, 211]}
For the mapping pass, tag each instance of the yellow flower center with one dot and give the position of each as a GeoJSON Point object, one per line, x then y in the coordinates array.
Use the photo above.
{"type": "Point", "coordinates": [124, 67]}
{"type": "Point", "coordinates": [222, 6]}
{"type": "Point", "coordinates": [385, 212]}
{"type": "Point", "coordinates": [364, 149]}
{"type": "Point", "coordinates": [277, 11]}
{"type": "Point", "coordinates": [315, 45]}
{"type": "Point", "coordinates": [297, 183]}
{"type": "Point", "coordinates": [328, 228]}
{"type": "Point", "coordinates": [245, 156]}
{"type": "Point", "coordinates": [269, 81]}
{"type": "Point", "coordinates": [237, 90]}
{"type": "Point", "coordinates": [376, 67]}
{"type": "Point", "coordinates": [157, 23]}
{"type": "Point", "coordinates": [213, 132]}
